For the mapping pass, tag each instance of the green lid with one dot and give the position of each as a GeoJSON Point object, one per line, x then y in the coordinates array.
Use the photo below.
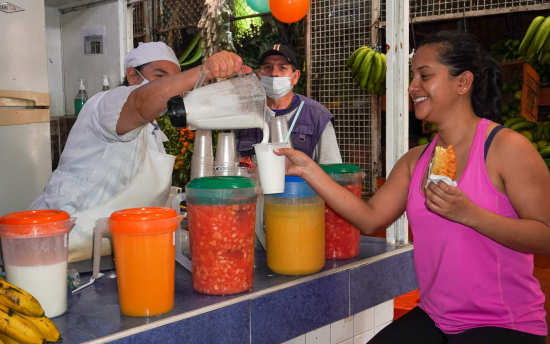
{"type": "Point", "coordinates": [221, 182]}
{"type": "Point", "coordinates": [340, 168]}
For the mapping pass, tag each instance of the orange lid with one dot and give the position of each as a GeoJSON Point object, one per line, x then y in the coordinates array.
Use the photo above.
{"type": "Point", "coordinates": [149, 220]}
{"type": "Point", "coordinates": [34, 223]}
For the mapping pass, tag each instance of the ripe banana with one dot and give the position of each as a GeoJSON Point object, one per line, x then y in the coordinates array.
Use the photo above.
{"type": "Point", "coordinates": [542, 34]}
{"type": "Point", "coordinates": [523, 125]}
{"type": "Point", "coordinates": [46, 327]}
{"type": "Point", "coordinates": [7, 340]}
{"type": "Point", "coordinates": [359, 61]}
{"type": "Point", "coordinates": [366, 68]}
{"type": "Point", "coordinates": [531, 31]}
{"type": "Point", "coordinates": [19, 300]}
{"type": "Point", "coordinates": [353, 56]}
{"type": "Point", "coordinates": [18, 328]}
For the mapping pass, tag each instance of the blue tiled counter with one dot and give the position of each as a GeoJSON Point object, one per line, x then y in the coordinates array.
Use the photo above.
{"type": "Point", "coordinates": [278, 308]}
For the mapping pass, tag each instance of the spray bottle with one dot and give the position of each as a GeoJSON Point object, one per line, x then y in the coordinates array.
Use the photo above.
{"type": "Point", "coordinates": [105, 82]}
{"type": "Point", "coordinates": [80, 98]}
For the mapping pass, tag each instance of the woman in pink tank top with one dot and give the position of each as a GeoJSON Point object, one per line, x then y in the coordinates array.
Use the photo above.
{"type": "Point", "coordinates": [474, 243]}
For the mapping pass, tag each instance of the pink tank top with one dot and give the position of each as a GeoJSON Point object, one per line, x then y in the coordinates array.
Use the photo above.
{"type": "Point", "coordinates": [467, 280]}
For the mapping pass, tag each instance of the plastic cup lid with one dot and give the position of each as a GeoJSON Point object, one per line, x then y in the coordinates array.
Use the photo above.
{"type": "Point", "coordinates": [149, 220]}
{"type": "Point", "coordinates": [295, 187]}
{"type": "Point", "coordinates": [34, 223]}
{"type": "Point", "coordinates": [221, 182]}
{"type": "Point", "coordinates": [340, 168]}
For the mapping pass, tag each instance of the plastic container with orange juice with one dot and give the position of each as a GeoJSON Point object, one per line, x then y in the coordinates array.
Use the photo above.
{"type": "Point", "coordinates": [144, 248]}
{"type": "Point", "coordinates": [341, 237]}
{"type": "Point", "coordinates": [35, 249]}
{"type": "Point", "coordinates": [295, 229]}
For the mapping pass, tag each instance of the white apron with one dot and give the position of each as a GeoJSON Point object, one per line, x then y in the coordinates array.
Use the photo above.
{"type": "Point", "coordinates": [149, 188]}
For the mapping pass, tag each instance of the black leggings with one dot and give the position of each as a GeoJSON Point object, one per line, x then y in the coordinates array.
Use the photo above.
{"type": "Point", "coordinates": [416, 327]}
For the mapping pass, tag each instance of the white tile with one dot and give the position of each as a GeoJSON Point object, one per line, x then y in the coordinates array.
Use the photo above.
{"type": "Point", "coordinates": [319, 336]}
{"type": "Point", "coordinates": [341, 330]}
{"type": "Point", "coordinates": [349, 341]}
{"type": "Point", "coordinates": [363, 321]}
{"type": "Point", "coordinates": [383, 313]}
{"type": "Point", "coordinates": [379, 328]}
{"type": "Point", "coordinates": [363, 338]}
{"type": "Point", "coordinates": [298, 340]}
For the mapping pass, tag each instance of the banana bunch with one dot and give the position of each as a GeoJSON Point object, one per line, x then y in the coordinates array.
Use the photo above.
{"type": "Point", "coordinates": [535, 46]}
{"type": "Point", "coordinates": [196, 42]}
{"type": "Point", "coordinates": [536, 132]}
{"type": "Point", "coordinates": [505, 51]}
{"type": "Point", "coordinates": [368, 67]}
{"type": "Point", "coordinates": [22, 318]}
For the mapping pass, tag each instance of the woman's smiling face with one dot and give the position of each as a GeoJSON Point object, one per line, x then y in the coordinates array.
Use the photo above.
{"type": "Point", "coordinates": [432, 88]}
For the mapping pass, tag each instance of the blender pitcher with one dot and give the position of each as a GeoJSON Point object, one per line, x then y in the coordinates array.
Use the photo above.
{"type": "Point", "coordinates": [35, 245]}
{"type": "Point", "coordinates": [144, 247]}
{"type": "Point", "coordinates": [236, 103]}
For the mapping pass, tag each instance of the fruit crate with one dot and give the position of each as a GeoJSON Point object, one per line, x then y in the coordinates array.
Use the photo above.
{"type": "Point", "coordinates": [521, 71]}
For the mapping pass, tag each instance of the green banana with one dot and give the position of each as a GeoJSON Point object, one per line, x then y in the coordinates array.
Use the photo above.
{"type": "Point", "coordinates": [539, 132]}
{"type": "Point", "coordinates": [190, 48]}
{"type": "Point", "coordinates": [547, 132]}
{"type": "Point", "coordinates": [18, 328]}
{"type": "Point", "coordinates": [198, 54]}
{"type": "Point", "coordinates": [546, 46]}
{"type": "Point", "coordinates": [366, 68]}
{"type": "Point", "coordinates": [376, 89]}
{"type": "Point", "coordinates": [542, 34]}
{"type": "Point", "coordinates": [545, 151]}
{"type": "Point", "coordinates": [514, 120]}
{"type": "Point", "coordinates": [353, 56]}
{"type": "Point", "coordinates": [543, 57]}
{"type": "Point", "coordinates": [531, 31]}
{"type": "Point", "coordinates": [379, 63]}
{"type": "Point", "coordinates": [375, 72]}
{"type": "Point", "coordinates": [523, 125]}
{"type": "Point", "coordinates": [357, 64]}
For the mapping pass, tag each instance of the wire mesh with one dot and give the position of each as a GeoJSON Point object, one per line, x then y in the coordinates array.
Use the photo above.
{"type": "Point", "coordinates": [177, 14]}
{"type": "Point", "coordinates": [426, 10]}
{"type": "Point", "coordinates": [338, 27]}
{"type": "Point", "coordinates": [139, 20]}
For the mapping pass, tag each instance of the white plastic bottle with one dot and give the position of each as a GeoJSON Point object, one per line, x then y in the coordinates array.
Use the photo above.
{"type": "Point", "coordinates": [80, 98]}
{"type": "Point", "coordinates": [105, 82]}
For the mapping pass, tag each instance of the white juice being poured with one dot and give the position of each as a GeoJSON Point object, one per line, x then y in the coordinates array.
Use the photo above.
{"type": "Point", "coordinates": [237, 103]}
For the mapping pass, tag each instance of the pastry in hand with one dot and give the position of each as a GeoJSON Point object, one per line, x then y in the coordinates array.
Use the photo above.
{"type": "Point", "coordinates": [444, 162]}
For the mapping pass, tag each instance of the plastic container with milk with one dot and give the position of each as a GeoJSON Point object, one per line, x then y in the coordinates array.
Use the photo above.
{"type": "Point", "coordinates": [236, 103]}
{"type": "Point", "coordinates": [35, 245]}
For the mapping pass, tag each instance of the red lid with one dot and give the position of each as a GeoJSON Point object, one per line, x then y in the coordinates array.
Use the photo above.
{"type": "Point", "coordinates": [144, 220]}
{"type": "Point", "coordinates": [34, 223]}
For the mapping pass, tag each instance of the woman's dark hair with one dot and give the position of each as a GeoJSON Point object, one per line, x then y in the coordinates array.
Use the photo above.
{"type": "Point", "coordinates": [462, 52]}
{"type": "Point", "coordinates": [139, 68]}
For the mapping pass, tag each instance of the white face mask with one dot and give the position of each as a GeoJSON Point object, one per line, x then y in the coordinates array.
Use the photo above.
{"type": "Point", "coordinates": [276, 87]}
{"type": "Point", "coordinates": [145, 81]}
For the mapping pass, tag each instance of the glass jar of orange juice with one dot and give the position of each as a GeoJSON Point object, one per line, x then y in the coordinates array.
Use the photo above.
{"type": "Point", "coordinates": [341, 237]}
{"type": "Point", "coordinates": [295, 229]}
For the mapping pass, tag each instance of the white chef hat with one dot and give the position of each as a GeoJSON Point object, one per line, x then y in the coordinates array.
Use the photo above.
{"type": "Point", "coordinates": [149, 52]}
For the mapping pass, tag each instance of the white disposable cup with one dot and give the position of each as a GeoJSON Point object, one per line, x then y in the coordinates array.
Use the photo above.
{"type": "Point", "coordinates": [271, 167]}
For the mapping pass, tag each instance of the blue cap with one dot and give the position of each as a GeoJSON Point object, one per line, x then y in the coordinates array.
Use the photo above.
{"type": "Point", "coordinates": [295, 187]}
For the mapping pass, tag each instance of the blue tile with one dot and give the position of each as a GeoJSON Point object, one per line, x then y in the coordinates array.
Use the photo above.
{"type": "Point", "coordinates": [283, 315]}
{"type": "Point", "coordinates": [227, 325]}
{"type": "Point", "coordinates": [381, 281]}
{"type": "Point", "coordinates": [70, 334]}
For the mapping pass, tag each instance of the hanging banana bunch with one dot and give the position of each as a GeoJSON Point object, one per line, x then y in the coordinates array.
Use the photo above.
{"type": "Point", "coordinates": [368, 67]}
{"type": "Point", "coordinates": [535, 46]}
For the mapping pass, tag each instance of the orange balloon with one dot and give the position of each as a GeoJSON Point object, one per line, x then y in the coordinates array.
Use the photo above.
{"type": "Point", "coordinates": [289, 11]}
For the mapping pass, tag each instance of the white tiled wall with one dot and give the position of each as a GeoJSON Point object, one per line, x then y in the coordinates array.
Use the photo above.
{"type": "Point", "coordinates": [357, 329]}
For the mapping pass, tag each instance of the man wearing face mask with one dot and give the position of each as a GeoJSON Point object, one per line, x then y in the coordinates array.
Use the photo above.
{"type": "Point", "coordinates": [313, 132]}
{"type": "Point", "coordinates": [114, 157]}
